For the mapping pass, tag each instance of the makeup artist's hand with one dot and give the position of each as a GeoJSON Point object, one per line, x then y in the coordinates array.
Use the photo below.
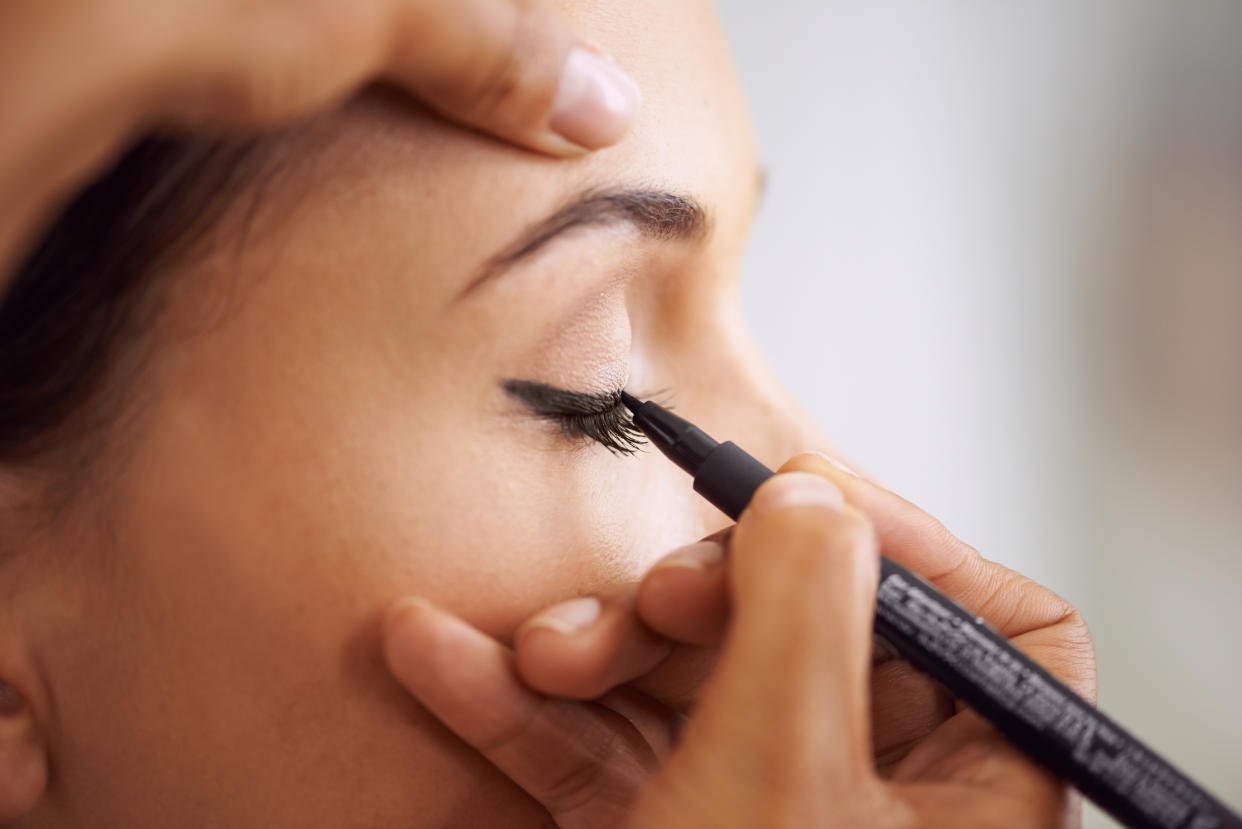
{"type": "Point", "coordinates": [78, 79]}
{"type": "Point", "coordinates": [788, 727]}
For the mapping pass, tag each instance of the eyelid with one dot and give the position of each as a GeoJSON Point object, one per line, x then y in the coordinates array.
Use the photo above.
{"type": "Point", "coordinates": [599, 416]}
{"type": "Point", "coordinates": [544, 399]}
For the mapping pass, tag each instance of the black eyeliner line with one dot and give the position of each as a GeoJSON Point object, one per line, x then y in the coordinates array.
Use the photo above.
{"type": "Point", "coordinates": [550, 401]}
{"type": "Point", "coordinates": [599, 416]}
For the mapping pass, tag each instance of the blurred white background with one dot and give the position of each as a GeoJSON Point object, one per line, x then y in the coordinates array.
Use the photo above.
{"type": "Point", "coordinates": [1000, 260]}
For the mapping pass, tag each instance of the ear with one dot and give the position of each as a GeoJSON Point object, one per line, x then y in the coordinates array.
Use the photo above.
{"type": "Point", "coordinates": [24, 758]}
{"type": "Point", "coordinates": [23, 752]}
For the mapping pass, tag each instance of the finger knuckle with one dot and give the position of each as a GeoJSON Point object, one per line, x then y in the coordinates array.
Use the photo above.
{"type": "Point", "coordinates": [1076, 639]}
{"type": "Point", "coordinates": [939, 537]}
{"type": "Point", "coordinates": [1007, 598]}
{"type": "Point", "coordinates": [1016, 604]}
{"type": "Point", "coordinates": [278, 63]}
{"type": "Point", "coordinates": [332, 30]}
{"type": "Point", "coordinates": [1078, 649]}
{"type": "Point", "coordinates": [505, 79]}
{"type": "Point", "coordinates": [601, 764]}
{"type": "Point", "coordinates": [506, 734]}
{"type": "Point", "coordinates": [267, 91]}
{"type": "Point", "coordinates": [573, 786]}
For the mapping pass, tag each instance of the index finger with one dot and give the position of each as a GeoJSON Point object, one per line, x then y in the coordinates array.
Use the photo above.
{"type": "Point", "coordinates": [798, 643]}
{"type": "Point", "coordinates": [513, 69]}
{"type": "Point", "coordinates": [1049, 628]}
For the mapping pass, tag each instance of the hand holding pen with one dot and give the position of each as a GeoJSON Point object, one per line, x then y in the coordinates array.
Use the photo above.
{"type": "Point", "coordinates": [792, 720]}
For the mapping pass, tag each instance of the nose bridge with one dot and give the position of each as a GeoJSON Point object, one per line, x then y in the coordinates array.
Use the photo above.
{"type": "Point", "coordinates": [718, 380]}
{"type": "Point", "coordinates": [750, 407]}
{"type": "Point", "coordinates": [770, 424]}
{"type": "Point", "coordinates": [754, 408]}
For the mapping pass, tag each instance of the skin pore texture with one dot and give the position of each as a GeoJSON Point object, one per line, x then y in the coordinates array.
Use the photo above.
{"type": "Point", "coordinates": [325, 428]}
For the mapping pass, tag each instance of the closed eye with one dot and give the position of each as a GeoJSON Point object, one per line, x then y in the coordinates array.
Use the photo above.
{"type": "Point", "coordinates": [599, 416]}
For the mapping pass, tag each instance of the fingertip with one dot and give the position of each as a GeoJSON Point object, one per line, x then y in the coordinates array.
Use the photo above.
{"type": "Point", "coordinates": [402, 611]}
{"type": "Point", "coordinates": [423, 644]}
{"type": "Point", "coordinates": [518, 71]}
{"type": "Point", "coordinates": [701, 557]}
{"type": "Point", "coordinates": [796, 489]}
{"type": "Point", "coordinates": [882, 507]}
{"type": "Point", "coordinates": [824, 465]}
{"type": "Point", "coordinates": [584, 661]}
{"type": "Point", "coordinates": [684, 597]}
{"type": "Point", "coordinates": [556, 652]}
{"type": "Point", "coordinates": [568, 617]}
{"type": "Point", "coordinates": [685, 605]}
{"type": "Point", "coordinates": [409, 636]}
{"type": "Point", "coordinates": [814, 462]}
{"type": "Point", "coordinates": [835, 464]}
{"type": "Point", "coordinates": [799, 538]}
{"type": "Point", "coordinates": [553, 663]}
{"type": "Point", "coordinates": [595, 103]}
{"type": "Point", "coordinates": [403, 620]}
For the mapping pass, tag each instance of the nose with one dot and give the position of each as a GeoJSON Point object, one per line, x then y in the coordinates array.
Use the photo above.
{"type": "Point", "coordinates": [745, 401]}
{"type": "Point", "coordinates": [725, 387]}
{"type": "Point", "coordinates": [765, 419]}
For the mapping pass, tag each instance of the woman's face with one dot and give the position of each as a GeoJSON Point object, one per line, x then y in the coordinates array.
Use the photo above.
{"type": "Point", "coordinates": [324, 430]}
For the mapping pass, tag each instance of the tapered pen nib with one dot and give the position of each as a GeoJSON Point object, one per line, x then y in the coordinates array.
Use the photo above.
{"type": "Point", "coordinates": [631, 402]}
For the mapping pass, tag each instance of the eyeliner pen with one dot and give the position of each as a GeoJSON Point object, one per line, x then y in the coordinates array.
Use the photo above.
{"type": "Point", "coordinates": [1042, 717]}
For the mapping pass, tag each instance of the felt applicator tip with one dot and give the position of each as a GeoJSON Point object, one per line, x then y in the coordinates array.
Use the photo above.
{"type": "Point", "coordinates": [631, 402]}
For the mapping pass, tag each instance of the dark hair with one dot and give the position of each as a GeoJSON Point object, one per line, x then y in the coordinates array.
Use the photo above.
{"type": "Point", "coordinates": [79, 299]}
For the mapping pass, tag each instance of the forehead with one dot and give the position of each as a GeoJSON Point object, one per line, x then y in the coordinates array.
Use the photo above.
{"type": "Point", "coordinates": [385, 184]}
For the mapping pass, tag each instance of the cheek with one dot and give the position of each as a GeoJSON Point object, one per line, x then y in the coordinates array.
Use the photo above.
{"type": "Point", "coordinates": [234, 659]}
{"type": "Point", "coordinates": [515, 520]}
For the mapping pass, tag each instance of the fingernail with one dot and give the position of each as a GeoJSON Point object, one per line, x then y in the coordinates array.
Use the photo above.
{"type": "Point", "coordinates": [569, 617]}
{"type": "Point", "coordinates": [797, 489]}
{"type": "Point", "coordinates": [398, 616]}
{"type": "Point", "coordinates": [595, 101]}
{"type": "Point", "coordinates": [402, 605]}
{"type": "Point", "coordinates": [700, 557]}
{"type": "Point", "coordinates": [837, 464]}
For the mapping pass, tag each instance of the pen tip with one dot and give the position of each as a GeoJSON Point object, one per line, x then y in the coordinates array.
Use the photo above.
{"type": "Point", "coordinates": [631, 402]}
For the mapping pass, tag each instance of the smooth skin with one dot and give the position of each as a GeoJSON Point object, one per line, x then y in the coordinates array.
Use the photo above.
{"type": "Point", "coordinates": [795, 720]}
{"type": "Point", "coordinates": [78, 79]}
{"type": "Point", "coordinates": [205, 638]}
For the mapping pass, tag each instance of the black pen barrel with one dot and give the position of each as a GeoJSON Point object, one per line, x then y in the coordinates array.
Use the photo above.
{"type": "Point", "coordinates": [728, 478]}
{"type": "Point", "coordinates": [1038, 713]}
{"type": "Point", "coordinates": [1035, 711]}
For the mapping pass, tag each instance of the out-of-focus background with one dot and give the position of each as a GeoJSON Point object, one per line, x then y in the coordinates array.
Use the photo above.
{"type": "Point", "coordinates": [1000, 260]}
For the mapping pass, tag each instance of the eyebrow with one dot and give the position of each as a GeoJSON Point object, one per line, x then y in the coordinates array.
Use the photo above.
{"type": "Point", "coordinates": [656, 214]}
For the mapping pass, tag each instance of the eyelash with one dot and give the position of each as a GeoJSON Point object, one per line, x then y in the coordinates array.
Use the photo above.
{"type": "Point", "coordinates": [598, 416]}
{"type": "Point", "coordinates": [612, 427]}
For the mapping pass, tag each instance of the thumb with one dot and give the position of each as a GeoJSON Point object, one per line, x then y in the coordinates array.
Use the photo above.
{"type": "Point", "coordinates": [515, 69]}
{"type": "Point", "coordinates": [783, 726]}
